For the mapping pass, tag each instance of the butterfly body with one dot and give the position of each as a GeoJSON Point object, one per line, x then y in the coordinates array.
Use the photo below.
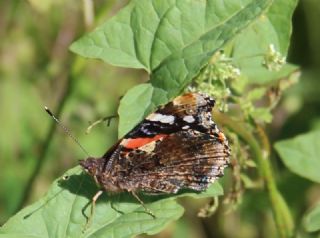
{"type": "Point", "coordinates": [176, 147]}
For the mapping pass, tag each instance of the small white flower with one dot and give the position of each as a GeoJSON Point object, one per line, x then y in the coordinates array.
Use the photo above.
{"type": "Point", "coordinates": [236, 71]}
{"type": "Point", "coordinates": [273, 60]}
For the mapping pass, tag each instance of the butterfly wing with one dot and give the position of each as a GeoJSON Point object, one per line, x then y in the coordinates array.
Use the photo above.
{"type": "Point", "coordinates": [177, 146]}
{"type": "Point", "coordinates": [186, 159]}
{"type": "Point", "coordinates": [186, 111]}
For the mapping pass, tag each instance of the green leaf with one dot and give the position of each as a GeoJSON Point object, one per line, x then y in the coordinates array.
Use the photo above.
{"type": "Point", "coordinates": [280, 16]}
{"type": "Point", "coordinates": [256, 94]}
{"type": "Point", "coordinates": [301, 155]}
{"type": "Point", "coordinates": [272, 28]}
{"type": "Point", "coordinates": [311, 221]}
{"type": "Point", "coordinates": [160, 33]}
{"type": "Point", "coordinates": [222, 22]}
{"type": "Point", "coordinates": [136, 104]}
{"type": "Point", "coordinates": [59, 213]}
{"type": "Point", "coordinates": [173, 40]}
{"type": "Point", "coordinates": [262, 114]}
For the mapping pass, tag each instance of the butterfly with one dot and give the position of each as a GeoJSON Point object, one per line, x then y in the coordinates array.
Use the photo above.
{"type": "Point", "coordinates": [176, 147]}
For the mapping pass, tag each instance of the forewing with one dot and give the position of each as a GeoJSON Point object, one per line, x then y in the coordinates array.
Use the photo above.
{"type": "Point", "coordinates": [191, 110]}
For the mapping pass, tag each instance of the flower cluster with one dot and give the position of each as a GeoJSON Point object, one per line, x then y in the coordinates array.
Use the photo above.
{"type": "Point", "coordinates": [214, 78]}
{"type": "Point", "coordinates": [273, 60]}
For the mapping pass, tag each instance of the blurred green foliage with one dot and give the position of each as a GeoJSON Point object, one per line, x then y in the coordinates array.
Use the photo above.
{"type": "Point", "coordinates": [36, 69]}
{"type": "Point", "coordinates": [35, 72]}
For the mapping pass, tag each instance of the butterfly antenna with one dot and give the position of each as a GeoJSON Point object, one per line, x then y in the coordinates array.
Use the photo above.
{"type": "Point", "coordinates": [66, 130]}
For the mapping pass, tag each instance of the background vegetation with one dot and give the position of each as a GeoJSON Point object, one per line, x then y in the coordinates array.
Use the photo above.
{"type": "Point", "coordinates": [37, 69]}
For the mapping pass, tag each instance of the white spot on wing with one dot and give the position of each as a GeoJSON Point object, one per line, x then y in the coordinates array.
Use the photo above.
{"type": "Point", "coordinates": [161, 118]}
{"type": "Point", "coordinates": [189, 119]}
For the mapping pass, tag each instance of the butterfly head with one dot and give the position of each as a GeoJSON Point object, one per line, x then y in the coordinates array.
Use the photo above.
{"type": "Point", "coordinates": [95, 168]}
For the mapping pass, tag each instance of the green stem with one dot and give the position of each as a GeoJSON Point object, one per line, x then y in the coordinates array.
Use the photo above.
{"type": "Point", "coordinates": [283, 218]}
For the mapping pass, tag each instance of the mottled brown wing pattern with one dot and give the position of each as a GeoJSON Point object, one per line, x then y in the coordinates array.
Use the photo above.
{"type": "Point", "coordinates": [186, 159]}
{"type": "Point", "coordinates": [178, 146]}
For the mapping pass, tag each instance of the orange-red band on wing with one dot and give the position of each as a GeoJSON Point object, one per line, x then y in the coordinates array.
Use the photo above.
{"type": "Point", "coordinates": [138, 142]}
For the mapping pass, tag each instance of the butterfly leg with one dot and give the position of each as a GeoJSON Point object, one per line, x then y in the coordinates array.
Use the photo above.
{"type": "Point", "coordinates": [93, 207]}
{"type": "Point", "coordinates": [147, 210]}
{"type": "Point", "coordinates": [112, 204]}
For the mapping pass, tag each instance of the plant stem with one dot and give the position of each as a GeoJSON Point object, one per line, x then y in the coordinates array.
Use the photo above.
{"type": "Point", "coordinates": [283, 218]}
{"type": "Point", "coordinates": [88, 12]}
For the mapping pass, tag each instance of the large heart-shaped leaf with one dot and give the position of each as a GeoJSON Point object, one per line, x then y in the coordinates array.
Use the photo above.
{"type": "Point", "coordinates": [159, 33]}
{"type": "Point", "coordinates": [170, 39]}
{"type": "Point", "coordinates": [173, 40]}
{"type": "Point", "coordinates": [301, 155]}
{"type": "Point", "coordinates": [62, 212]}
{"type": "Point", "coordinates": [214, 30]}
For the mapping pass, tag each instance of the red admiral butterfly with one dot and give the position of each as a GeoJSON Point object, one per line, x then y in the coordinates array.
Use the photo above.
{"type": "Point", "coordinates": [176, 147]}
